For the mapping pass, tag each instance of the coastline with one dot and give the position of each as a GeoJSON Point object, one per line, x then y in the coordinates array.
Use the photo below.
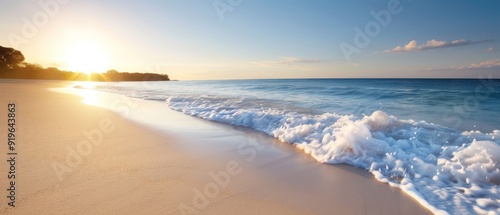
{"type": "Point", "coordinates": [135, 168]}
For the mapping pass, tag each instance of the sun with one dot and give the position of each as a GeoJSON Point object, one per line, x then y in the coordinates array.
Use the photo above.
{"type": "Point", "coordinates": [87, 57]}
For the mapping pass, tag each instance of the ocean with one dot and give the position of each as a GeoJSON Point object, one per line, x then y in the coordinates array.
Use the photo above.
{"type": "Point", "coordinates": [436, 139]}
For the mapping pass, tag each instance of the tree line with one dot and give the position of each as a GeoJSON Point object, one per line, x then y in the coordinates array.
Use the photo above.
{"type": "Point", "coordinates": [13, 66]}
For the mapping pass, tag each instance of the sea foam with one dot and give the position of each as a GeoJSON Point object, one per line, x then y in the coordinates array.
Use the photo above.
{"type": "Point", "coordinates": [446, 170]}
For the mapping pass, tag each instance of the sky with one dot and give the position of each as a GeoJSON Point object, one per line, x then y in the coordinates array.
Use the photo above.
{"type": "Point", "coordinates": [254, 39]}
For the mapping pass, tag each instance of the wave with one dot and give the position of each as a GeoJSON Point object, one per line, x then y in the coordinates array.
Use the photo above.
{"type": "Point", "coordinates": [447, 170]}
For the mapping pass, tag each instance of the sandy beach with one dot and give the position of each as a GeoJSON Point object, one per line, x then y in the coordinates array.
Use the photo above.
{"type": "Point", "coordinates": [76, 158]}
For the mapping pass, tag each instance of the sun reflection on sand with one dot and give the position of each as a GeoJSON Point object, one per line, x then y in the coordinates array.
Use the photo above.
{"type": "Point", "coordinates": [87, 91]}
{"type": "Point", "coordinates": [89, 97]}
{"type": "Point", "coordinates": [84, 85]}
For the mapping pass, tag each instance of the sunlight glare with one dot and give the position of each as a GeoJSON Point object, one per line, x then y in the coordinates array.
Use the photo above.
{"type": "Point", "coordinates": [86, 57]}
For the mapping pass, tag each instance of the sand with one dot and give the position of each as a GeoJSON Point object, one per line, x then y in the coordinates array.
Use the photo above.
{"type": "Point", "coordinates": [75, 158]}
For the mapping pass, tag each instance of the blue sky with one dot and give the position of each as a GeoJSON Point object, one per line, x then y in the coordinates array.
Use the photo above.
{"type": "Point", "coordinates": [261, 39]}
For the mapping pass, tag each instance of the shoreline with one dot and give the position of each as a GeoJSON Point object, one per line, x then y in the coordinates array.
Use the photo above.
{"type": "Point", "coordinates": [190, 165]}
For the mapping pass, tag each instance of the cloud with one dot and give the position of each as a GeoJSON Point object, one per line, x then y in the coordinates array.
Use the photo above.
{"type": "Point", "coordinates": [289, 61]}
{"type": "Point", "coordinates": [490, 49]}
{"type": "Point", "coordinates": [430, 44]}
{"type": "Point", "coordinates": [293, 60]}
{"type": "Point", "coordinates": [489, 64]}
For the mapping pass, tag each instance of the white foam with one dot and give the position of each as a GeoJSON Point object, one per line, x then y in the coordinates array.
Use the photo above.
{"type": "Point", "coordinates": [446, 170]}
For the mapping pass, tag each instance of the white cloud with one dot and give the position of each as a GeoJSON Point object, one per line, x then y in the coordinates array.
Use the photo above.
{"type": "Point", "coordinates": [430, 44]}
{"type": "Point", "coordinates": [293, 60]}
{"type": "Point", "coordinates": [289, 61]}
{"type": "Point", "coordinates": [490, 49]}
{"type": "Point", "coordinates": [460, 41]}
{"type": "Point", "coordinates": [411, 46]}
{"type": "Point", "coordinates": [434, 44]}
{"type": "Point", "coordinates": [489, 64]}
{"type": "Point", "coordinates": [493, 64]}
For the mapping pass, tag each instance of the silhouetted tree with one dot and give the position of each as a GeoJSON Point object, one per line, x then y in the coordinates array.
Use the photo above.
{"type": "Point", "coordinates": [10, 58]}
{"type": "Point", "coordinates": [112, 72]}
{"type": "Point", "coordinates": [12, 65]}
